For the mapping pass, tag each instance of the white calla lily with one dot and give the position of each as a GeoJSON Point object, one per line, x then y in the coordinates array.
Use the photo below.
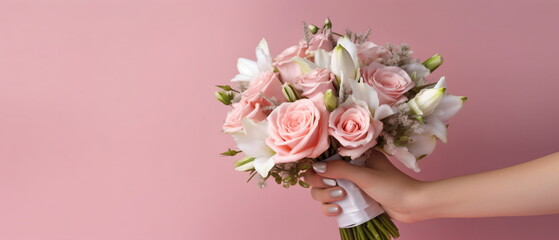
{"type": "Point", "coordinates": [342, 64]}
{"type": "Point", "coordinates": [252, 141]}
{"type": "Point", "coordinates": [425, 102]}
{"type": "Point", "coordinates": [248, 69]}
{"type": "Point", "coordinates": [351, 48]}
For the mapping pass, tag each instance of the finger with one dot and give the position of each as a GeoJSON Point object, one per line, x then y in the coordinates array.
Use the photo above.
{"type": "Point", "coordinates": [331, 209]}
{"type": "Point", "coordinates": [328, 195]}
{"type": "Point", "coordinates": [362, 176]}
{"type": "Point", "coordinates": [317, 181]}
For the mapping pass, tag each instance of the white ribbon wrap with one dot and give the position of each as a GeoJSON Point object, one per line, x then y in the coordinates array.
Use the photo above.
{"type": "Point", "coordinates": [357, 207]}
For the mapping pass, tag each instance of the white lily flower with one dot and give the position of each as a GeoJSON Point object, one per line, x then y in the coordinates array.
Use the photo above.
{"type": "Point", "coordinates": [448, 107]}
{"type": "Point", "coordinates": [342, 64]}
{"type": "Point", "coordinates": [404, 156]}
{"type": "Point", "coordinates": [425, 102]}
{"type": "Point", "coordinates": [248, 69]}
{"type": "Point", "coordinates": [441, 83]}
{"type": "Point", "coordinates": [252, 141]}
{"type": "Point", "coordinates": [351, 48]}
{"type": "Point", "coordinates": [364, 92]}
{"type": "Point", "coordinates": [421, 146]}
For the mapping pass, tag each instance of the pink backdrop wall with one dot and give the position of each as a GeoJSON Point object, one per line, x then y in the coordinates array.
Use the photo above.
{"type": "Point", "coordinates": [109, 128]}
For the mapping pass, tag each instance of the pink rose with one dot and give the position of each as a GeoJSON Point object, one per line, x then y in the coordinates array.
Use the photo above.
{"type": "Point", "coordinates": [241, 110]}
{"type": "Point", "coordinates": [369, 52]}
{"type": "Point", "coordinates": [320, 41]}
{"type": "Point", "coordinates": [267, 84]}
{"type": "Point", "coordinates": [390, 82]}
{"type": "Point", "coordinates": [288, 69]}
{"type": "Point", "coordinates": [317, 81]}
{"type": "Point", "coordinates": [353, 126]}
{"type": "Point", "coordinates": [298, 130]}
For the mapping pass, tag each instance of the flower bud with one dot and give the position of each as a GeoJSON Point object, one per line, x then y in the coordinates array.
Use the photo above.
{"type": "Point", "coordinates": [342, 63]}
{"type": "Point", "coordinates": [425, 102]}
{"type": "Point", "coordinates": [330, 101]}
{"type": "Point", "coordinates": [327, 23]}
{"type": "Point", "coordinates": [433, 62]}
{"type": "Point", "coordinates": [224, 97]}
{"type": "Point", "coordinates": [290, 93]}
{"type": "Point", "coordinates": [245, 164]}
{"type": "Point", "coordinates": [312, 28]}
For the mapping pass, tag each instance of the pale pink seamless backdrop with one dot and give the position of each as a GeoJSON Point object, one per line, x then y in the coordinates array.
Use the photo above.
{"type": "Point", "coordinates": [109, 128]}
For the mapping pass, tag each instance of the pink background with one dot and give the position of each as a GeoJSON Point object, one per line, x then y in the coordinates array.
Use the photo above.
{"type": "Point", "coordinates": [109, 128]}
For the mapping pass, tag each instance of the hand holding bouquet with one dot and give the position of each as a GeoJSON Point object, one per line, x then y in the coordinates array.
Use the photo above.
{"type": "Point", "coordinates": [335, 96]}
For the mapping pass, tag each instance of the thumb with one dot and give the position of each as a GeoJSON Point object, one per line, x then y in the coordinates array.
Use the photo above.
{"type": "Point", "coordinates": [339, 169]}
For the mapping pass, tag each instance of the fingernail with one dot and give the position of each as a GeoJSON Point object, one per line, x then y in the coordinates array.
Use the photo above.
{"type": "Point", "coordinates": [336, 193]}
{"type": "Point", "coordinates": [329, 182]}
{"type": "Point", "coordinates": [333, 209]}
{"type": "Point", "coordinates": [319, 167]}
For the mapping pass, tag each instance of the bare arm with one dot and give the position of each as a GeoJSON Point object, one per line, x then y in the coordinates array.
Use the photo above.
{"type": "Point", "coordinates": [531, 188]}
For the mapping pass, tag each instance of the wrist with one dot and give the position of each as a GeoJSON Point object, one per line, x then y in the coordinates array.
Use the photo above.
{"type": "Point", "coordinates": [421, 202]}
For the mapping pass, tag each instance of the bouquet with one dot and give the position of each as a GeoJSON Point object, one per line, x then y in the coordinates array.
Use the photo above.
{"type": "Point", "coordinates": [335, 96]}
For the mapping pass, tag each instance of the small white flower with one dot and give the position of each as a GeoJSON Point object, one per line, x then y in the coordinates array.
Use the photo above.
{"type": "Point", "coordinates": [248, 69]}
{"type": "Point", "coordinates": [418, 71]}
{"type": "Point", "coordinates": [252, 141]}
{"type": "Point", "coordinates": [364, 92]}
{"type": "Point", "coordinates": [425, 102]}
{"type": "Point", "coordinates": [436, 107]}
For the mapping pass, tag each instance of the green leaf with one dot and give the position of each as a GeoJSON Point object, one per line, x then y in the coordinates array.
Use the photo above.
{"type": "Point", "coordinates": [303, 184]}
{"type": "Point", "coordinates": [276, 177]}
{"type": "Point", "coordinates": [304, 166]}
{"type": "Point", "coordinates": [293, 181]}
{"type": "Point", "coordinates": [225, 87]}
{"type": "Point", "coordinates": [230, 152]}
{"type": "Point", "coordinates": [287, 179]}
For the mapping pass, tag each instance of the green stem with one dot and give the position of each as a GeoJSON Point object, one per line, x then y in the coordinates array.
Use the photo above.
{"type": "Point", "coordinates": [360, 232]}
{"type": "Point", "coordinates": [387, 222]}
{"type": "Point", "coordinates": [385, 234]}
{"type": "Point", "coordinates": [367, 232]}
{"type": "Point", "coordinates": [373, 230]}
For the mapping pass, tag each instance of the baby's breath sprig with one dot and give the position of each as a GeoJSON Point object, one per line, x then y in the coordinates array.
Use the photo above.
{"type": "Point", "coordinates": [398, 56]}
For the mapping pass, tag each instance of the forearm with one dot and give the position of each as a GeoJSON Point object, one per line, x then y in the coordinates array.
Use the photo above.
{"type": "Point", "coordinates": [531, 188]}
